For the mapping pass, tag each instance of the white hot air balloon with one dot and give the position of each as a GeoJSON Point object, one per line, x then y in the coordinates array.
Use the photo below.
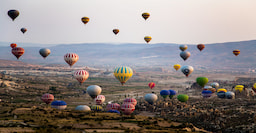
{"type": "Point", "coordinates": [93, 90]}
{"type": "Point", "coordinates": [187, 70]}
{"type": "Point", "coordinates": [83, 108]}
{"type": "Point", "coordinates": [71, 58]}
{"type": "Point", "coordinates": [151, 98]}
{"type": "Point", "coordinates": [81, 75]}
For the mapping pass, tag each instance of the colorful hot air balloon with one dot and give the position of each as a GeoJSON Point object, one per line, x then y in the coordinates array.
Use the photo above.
{"type": "Point", "coordinates": [206, 93]}
{"type": "Point", "coordinates": [239, 88]}
{"type": "Point", "coordinates": [210, 88]}
{"type": "Point", "coordinates": [182, 97]}
{"type": "Point", "coordinates": [100, 99]}
{"type": "Point", "coordinates": [172, 93]}
{"type": "Point", "coordinates": [187, 70]}
{"type": "Point", "coordinates": [200, 46]}
{"type": "Point", "coordinates": [113, 106]}
{"type": "Point", "coordinates": [96, 108]}
{"type": "Point", "coordinates": [71, 58]}
{"type": "Point", "coordinates": [131, 100]}
{"type": "Point", "coordinates": [81, 75]}
{"type": "Point", "coordinates": [85, 20]}
{"type": "Point", "coordinates": [164, 93]}
{"type": "Point", "coordinates": [93, 90]}
{"type": "Point", "coordinates": [151, 85]}
{"type": "Point", "coordinates": [147, 38]}
{"type": "Point", "coordinates": [184, 55]}
{"type": "Point", "coordinates": [47, 98]}
{"type": "Point", "coordinates": [215, 85]}
{"type": "Point", "coordinates": [83, 108]}
{"type": "Point", "coordinates": [13, 45]}
{"type": "Point", "coordinates": [116, 31]}
{"type": "Point", "coordinates": [176, 67]}
{"type": "Point", "coordinates": [127, 108]}
{"type": "Point", "coordinates": [236, 52]}
{"type": "Point", "coordinates": [13, 14]}
{"type": "Point", "coordinates": [183, 47]}
{"type": "Point", "coordinates": [150, 98]}
{"type": "Point", "coordinates": [18, 52]}
{"type": "Point", "coordinates": [113, 111]}
{"type": "Point", "coordinates": [254, 87]}
{"type": "Point", "coordinates": [44, 52]}
{"type": "Point", "coordinates": [123, 74]}
{"type": "Point", "coordinates": [23, 30]}
{"type": "Point", "coordinates": [221, 93]}
{"type": "Point", "coordinates": [202, 81]}
{"type": "Point", "coordinates": [61, 105]}
{"type": "Point", "coordinates": [230, 95]}
{"type": "Point", "coordinates": [222, 90]}
{"type": "Point", "coordinates": [145, 15]}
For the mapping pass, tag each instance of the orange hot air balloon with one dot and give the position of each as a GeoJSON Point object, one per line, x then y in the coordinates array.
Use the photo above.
{"type": "Point", "coordinates": [151, 85]}
{"type": "Point", "coordinates": [236, 52]}
{"type": "Point", "coordinates": [13, 45]}
{"type": "Point", "coordinates": [116, 31]}
{"type": "Point", "coordinates": [18, 52]}
{"type": "Point", "coordinates": [145, 15]}
{"type": "Point", "coordinates": [85, 20]}
{"type": "Point", "coordinates": [81, 75]}
{"type": "Point", "coordinates": [71, 58]}
{"type": "Point", "coordinates": [200, 46]}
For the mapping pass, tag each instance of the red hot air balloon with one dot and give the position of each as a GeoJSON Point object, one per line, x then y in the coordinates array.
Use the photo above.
{"type": "Point", "coordinates": [81, 75]}
{"type": "Point", "coordinates": [236, 52]}
{"type": "Point", "coordinates": [13, 45]}
{"type": "Point", "coordinates": [18, 52]}
{"type": "Point", "coordinates": [47, 98]}
{"type": "Point", "coordinates": [100, 99]}
{"type": "Point", "coordinates": [113, 106]}
{"type": "Point", "coordinates": [127, 108]}
{"type": "Point", "coordinates": [131, 100]}
{"type": "Point", "coordinates": [151, 85]}
{"type": "Point", "coordinates": [71, 58]}
{"type": "Point", "coordinates": [200, 46]}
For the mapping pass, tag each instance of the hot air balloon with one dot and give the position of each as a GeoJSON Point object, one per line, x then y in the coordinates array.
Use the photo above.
{"type": "Point", "coordinates": [113, 111]}
{"type": "Point", "coordinates": [100, 99]}
{"type": "Point", "coordinates": [164, 93]}
{"type": "Point", "coordinates": [96, 108]}
{"type": "Point", "coordinates": [176, 67]}
{"type": "Point", "coordinates": [150, 98]}
{"type": "Point", "coordinates": [184, 55]}
{"type": "Point", "coordinates": [147, 38]}
{"type": "Point", "coordinates": [13, 45]}
{"type": "Point", "coordinates": [172, 93]}
{"type": "Point", "coordinates": [85, 20]}
{"type": "Point", "coordinates": [13, 14]}
{"type": "Point", "coordinates": [182, 97]}
{"type": "Point", "coordinates": [209, 88]}
{"type": "Point", "coordinates": [151, 85]}
{"type": "Point", "coordinates": [18, 52]}
{"type": "Point", "coordinates": [206, 93]}
{"type": "Point", "coordinates": [236, 52]}
{"type": "Point", "coordinates": [127, 108]}
{"type": "Point", "coordinates": [93, 90]}
{"type": "Point", "coordinates": [81, 75]}
{"type": "Point", "coordinates": [113, 106]}
{"type": "Point", "coordinates": [71, 58]}
{"type": "Point", "coordinates": [222, 90]}
{"type": "Point", "coordinates": [239, 88]}
{"type": "Point", "coordinates": [23, 30]}
{"type": "Point", "coordinates": [187, 70]}
{"type": "Point", "coordinates": [215, 85]}
{"type": "Point", "coordinates": [44, 52]}
{"type": "Point", "coordinates": [130, 100]}
{"type": "Point", "coordinates": [123, 74]}
{"type": "Point", "coordinates": [116, 31]}
{"type": "Point", "coordinates": [200, 46]}
{"type": "Point", "coordinates": [202, 81]}
{"type": "Point", "coordinates": [61, 105]}
{"type": "Point", "coordinates": [221, 93]}
{"type": "Point", "coordinates": [47, 98]}
{"type": "Point", "coordinates": [230, 95]}
{"type": "Point", "coordinates": [145, 15]}
{"type": "Point", "coordinates": [254, 87]}
{"type": "Point", "coordinates": [183, 47]}
{"type": "Point", "coordinates": [83, 108]}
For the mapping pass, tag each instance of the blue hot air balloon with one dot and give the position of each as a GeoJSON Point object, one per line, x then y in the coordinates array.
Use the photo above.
{"type": "Point", "coordinates": [172, 93]}
{"type": "Point", "coordinates": [59, 104]}
{"type": "Point", "coordinates": [164, 93]}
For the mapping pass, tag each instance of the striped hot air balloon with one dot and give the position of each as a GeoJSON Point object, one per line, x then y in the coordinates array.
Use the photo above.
{"type": "Point", "coordinates": [61, 105]}
{"type": "Point", "coordinates": [47, 98]}
{"type": "Point", "coordinates": [123, 74]}
{"type": "Point", "coordinates": [81, 75]}
{"type": "Point", "coordinates": [151, 85]}
{"type": "Point", "coordinates": [71, 58]}
{"type": "Point", "coordinates": [100, 99]}
{"type": "Point", "coordinates": [236, 52]}
{"type": "Point", "coordinates": [18, 52]}
{"type": "Point", "coordinates": [96, 108]}
{"type": "Point", "coordinates": [127, 108]}
{"type": "Point", "coordinates": [130, 100]}
{"type": "Point", "coordinates": [113, 106]}
{"type": "Point", "coordinates": [13, 45]}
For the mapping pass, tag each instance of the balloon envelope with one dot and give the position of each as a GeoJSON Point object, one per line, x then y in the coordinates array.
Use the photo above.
{"type": "Point", "coordinates": [176, 67]}
{"type": "Point", "coordinates": [206, 93]}
{"type": "Point", "coordinates": [183, 47]}
{"type": "Point", "coordinates": [187, 70]}
{"type": "Point", "coordinates": [130, 100]}
{"type": "Point", "coordinates": [93, 90]}
{"type": "Point", "coordinates": [47, 98]}
{"type": "Point", "coordinates": [239, 88]}
{"type": "Point", "coordinates": [44, 52]}
{"type": "Point", "coordinates": [236, 52]}
{"type": "Point", "coordinates": [147, 38]}
{"type": "Point", "coordinates": [172, 93]}
{"type": "Point", "coordinates": [85, 20]}
{"type": "Point", "coordinates": [13, 14]}
{"type": "Point", "coordinates": [145, 15]}
{"type": "Point", "coordinates": [182, 98]}
{"type": "Point", "coordinates": [127, 108]}
{"type": "Point", "coordinates": [59, 105]}
{"type": "Point", "coordinates": [18, 52]}
{"type": "Point", "coordinates": [184, 55]}
{"type": "Point", "coordinates": [116, 31]}
{"type": "Point", "coordinates": [13, 45]}
{"type": "Point", "coordinates": [113, 106]}
{"type": "Point", "coordinates": [123, 74]}
{"type": "Point", "coordinates": [202, 81]}
{"type": "Point", "coordinates": [83, 108]}
{"type": "Point", "coordinates": [113, 111]}
{"type": "Point", "coordinates": [81, 75]}
{"type": "Point", "coordinates": [100, 99]}
{"type": "Point", "coordinates": [215, 85]}
{"type": "Point", "coordinates": [71, 58]}
{"type": "Point", "coordinates": [150, 98]}
{"type": "Point", "coordinates": [164, 93]}
{"type": "Point", "coordinates": [151, 85]}
{"type": "Point", "coordinates": [96, 108]}
{"type": "Point", "coordinates": [230, 95]}
{"type": "Point", "coordinates": [200, 46]}
{"type": "Point", "coordinates": [23, 30]}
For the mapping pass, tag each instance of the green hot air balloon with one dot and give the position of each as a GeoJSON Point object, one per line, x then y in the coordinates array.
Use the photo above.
{"type": "Point", "coordinates": [182, 97]}
{"type": "Point", "coordinates": [202, 81]}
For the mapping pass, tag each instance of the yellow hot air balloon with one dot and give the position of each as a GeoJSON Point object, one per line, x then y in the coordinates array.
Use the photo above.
{"type": "Point", "coordinates": [240, 88]}
{"type": "Point", "coordinates": [123, 74]}
{"type": "Point", "coordinates": [222, 89]}
{"type": "Point", "coordinates": [145, 15]}
{"type": "Point", "coordinates": [85, 20]}
{"type": "Point", "coordinates": [176, 67]}
{"type": "Point", "coordinates": [147, 38]}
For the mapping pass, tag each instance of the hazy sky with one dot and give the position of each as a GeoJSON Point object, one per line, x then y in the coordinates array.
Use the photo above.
{"type": "Point", "coordinates": [171, 21]}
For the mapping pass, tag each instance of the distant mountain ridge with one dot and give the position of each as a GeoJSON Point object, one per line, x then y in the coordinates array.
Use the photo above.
{"type": "Point", "coordinates": [218, 56]}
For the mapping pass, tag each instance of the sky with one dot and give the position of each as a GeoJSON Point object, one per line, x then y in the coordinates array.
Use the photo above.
{"type": "Point", "coordinates": [171, 21]}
